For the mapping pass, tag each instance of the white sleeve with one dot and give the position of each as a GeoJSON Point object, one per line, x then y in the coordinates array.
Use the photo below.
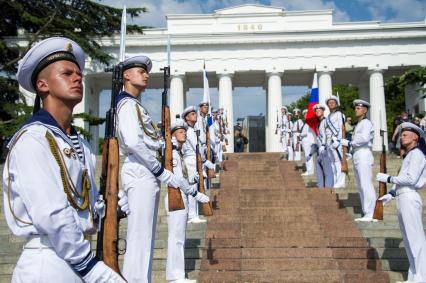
{"type": "Point", "coordinates": [133, 138]}
{"type": "Point", "coordinates": [411, 171]}
{"type": "Point", "coordinates": [42, 192]}
{"type": "Point", "coordinates": [362, 135]}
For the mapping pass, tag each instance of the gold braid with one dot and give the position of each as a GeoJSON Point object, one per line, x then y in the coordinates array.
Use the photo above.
{"type": "Point", "coordinates": [69, 188]}
{"type": "Point", "coordinates": [151, 135]}
{"type": "Point", "coordinates": [8, 181]}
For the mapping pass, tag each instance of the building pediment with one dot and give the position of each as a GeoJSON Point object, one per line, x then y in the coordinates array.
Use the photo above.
{"type": "Point", "coordinates": [249, 9]}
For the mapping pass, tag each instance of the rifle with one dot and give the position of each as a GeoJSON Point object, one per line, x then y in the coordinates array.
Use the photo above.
{"type": "Point", "coordinates": [205, 207]}
{"type": "Point", "coordinates": [107, 240]}
{"type": "Point", "coordinates": [276, 129]}
{"type": "Point", "coordinates": [173, 194]}
{"type": "Point", "coordinates": [378, 209]}
{"type": "Point", "coordinates": [344, 161]}
{"type": "Point", "coordinates": [210, 172]}
{"type": "Point", "coordinates": [298, 137]}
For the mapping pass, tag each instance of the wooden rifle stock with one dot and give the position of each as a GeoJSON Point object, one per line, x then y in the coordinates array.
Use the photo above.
{"type": "Point", "coordinates": [205, 207]}
{"type": "Point", "coordinates": [378, 209]}
{"type": "Point", "coordinates": [173, 194]}
{"type": "Point", "coordinates": [344, 161]}
{"type": "Point", "coordinates": [211, 173]}
{"type": "Point", "coordinates": [107, 240]}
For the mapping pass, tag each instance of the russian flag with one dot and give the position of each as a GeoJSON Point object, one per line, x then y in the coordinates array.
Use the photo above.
{"type": "Point", "coordinates": [311, 118]}
{"type": "Point", "coordinates": [206, 95]}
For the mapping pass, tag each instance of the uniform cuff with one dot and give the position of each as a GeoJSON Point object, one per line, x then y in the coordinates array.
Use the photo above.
{"type": "Point", "coordinates": [83, 267]}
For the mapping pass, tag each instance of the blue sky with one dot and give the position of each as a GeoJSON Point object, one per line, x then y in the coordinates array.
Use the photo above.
{"type": "Point", "coordinates": [252, 101]}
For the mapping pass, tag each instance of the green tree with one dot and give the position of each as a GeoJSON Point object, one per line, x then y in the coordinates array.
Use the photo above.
{"type": "Point", "coordinates": [29, 21]}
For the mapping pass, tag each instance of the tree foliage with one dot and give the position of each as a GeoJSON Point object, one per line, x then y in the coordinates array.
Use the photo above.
{"type": "Point", "coordinates": [29, 21]}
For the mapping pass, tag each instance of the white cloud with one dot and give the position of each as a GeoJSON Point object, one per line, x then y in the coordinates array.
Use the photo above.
{"type": "Point", "coordinates": [396, 10]}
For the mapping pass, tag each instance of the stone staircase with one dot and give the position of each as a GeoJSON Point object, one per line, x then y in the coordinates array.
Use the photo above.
{"type": "Point", "coordinates": [384, 237]}
{"type": "Point", "coordinates": [267, 227]}
{"type": "Point", "coordinates": [11, 246]}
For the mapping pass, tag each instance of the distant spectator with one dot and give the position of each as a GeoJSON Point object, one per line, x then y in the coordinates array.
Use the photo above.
{"type": "Point", "coordinates": [396, 132]}
{"type": "Point", "coordinates": [240, 139]}
{"type": "Point", "coordinates": [349, 128]}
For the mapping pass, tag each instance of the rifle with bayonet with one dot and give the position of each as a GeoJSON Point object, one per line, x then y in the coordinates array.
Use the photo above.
{"type": "Point", "coordinates": [344, 161]}
{"type": "Point", "coordinates": [107, 240]}
{"type": "Point", "coordinates": [205, 207]}
{"type": "Point", "coordinates": [210, 172]}
{"type": "Point", "coordinates": [174, 197]}
{"type": "Point", "coordinates": [378, 210]}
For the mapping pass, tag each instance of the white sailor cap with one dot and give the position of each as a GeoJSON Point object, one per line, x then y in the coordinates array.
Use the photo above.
{"type": "Point", "coordinates": [319, 106]}
{"type": "Point", "coordinates": [187, 111]}
{"type": "Point", "coordinates": [296, 110]}
{"type": "Point", "coordinates": [138, 61]}
{"type": "Point", "coordinates": [407, 126]}
{"type": "Point", "coordinates": [304, 111]}
{"type": "Point", "coordinates": [284, 107]}
{"type": "Point", "coordinates": [44, 53]}
{"type": "Point", "coordinates": [332, 97]}
{"type": "Point", "coordinates": [203, 103]}
{"type": "Point", "coordinates": [178, 124]}
{"type": "Point", "coordinates": [360, 102]}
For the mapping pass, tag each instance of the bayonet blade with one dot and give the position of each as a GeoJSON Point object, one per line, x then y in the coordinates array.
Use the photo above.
{"type": "Point", "coordinates": [123, 34]}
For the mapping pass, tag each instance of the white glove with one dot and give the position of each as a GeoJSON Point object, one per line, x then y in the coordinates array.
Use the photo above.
{"type": "Point", "coordinates": [123, 202]}
{"type": "Point", "coordinates": [200, 197]}
{"type": "Point", "coordinates": [345, 142]}
{"type": "Point", "coordinates": [348, 156]}
{"type": "Point", "coordinates": [321, 149]}
{"type": "Point", "coordinates": [169, 179]}
{"type": "Point", "coordinates": [99, 207]}
{"type": "Point", "coordinates": [308, 158]}
{"type": "Point", "coordinates": [335, 143]}
{"type": "Point", "coordinates": [386, 199]}
{"type": "Point", "coordinates": [102, 273]}
{"type": "Point", "coordinates": [381, 177]}
{"type": "Point", "coordinates": [209, 164]}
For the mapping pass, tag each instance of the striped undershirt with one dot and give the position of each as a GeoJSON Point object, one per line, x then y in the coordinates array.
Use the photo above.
{"type": "Point", "coordinates": [76, 144]}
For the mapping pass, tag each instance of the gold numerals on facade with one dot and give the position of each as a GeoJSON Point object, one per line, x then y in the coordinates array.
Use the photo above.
{"type": "Point", "coordinates": [249, 27]}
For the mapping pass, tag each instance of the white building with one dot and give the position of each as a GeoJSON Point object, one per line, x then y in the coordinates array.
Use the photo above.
{"type": "Point", "coordinates": [254, 45]}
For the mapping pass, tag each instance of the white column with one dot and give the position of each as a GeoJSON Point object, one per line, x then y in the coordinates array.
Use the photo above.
{"type": "Point", "coordinates": [225, 102]}
{"type": "Point", "coordinates": [274, 100]}
{"type": "Point", "coordinates": [364, 93]}
{"type": "Point", "coordinates": [324, 85]}
{"type": "Point", "coordinates": [378, 107]}
{"type": "Point", "coordinates": [176, 96]}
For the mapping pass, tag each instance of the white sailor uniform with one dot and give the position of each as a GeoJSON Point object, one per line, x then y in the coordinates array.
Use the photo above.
{"type": "Point", "coordinates": [363, 160]}
{"type": "Point", "coordinates": [325, 177]}
{"type": "Point", "coordinates": [334, 125]}
{"type": "Point", "coordinates": [282, 128]}
{"type": "Point", "coordinates": [308, 139]}
{"type": "Point", "coordinates": [296, 130]}
{"type": "Point", "coordinates": [176, 222]}
{"type": "Point", "coordinates": [54, 213]}
{"type": "Point", "coordinates": [140, 176]}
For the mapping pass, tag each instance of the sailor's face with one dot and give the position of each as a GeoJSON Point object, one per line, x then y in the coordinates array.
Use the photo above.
{"type": "Point", "coordinates": [180, 135]}
{"type": "Point", "coordinates": [191, 117]}
{"type": "Point", "coordinates": [408, 138]}
{"type": "Point", "coordinates": [332, 104]}
{"type": "Point", "coordinates": [138, 77]}
{"type": "Point", "coordinates": [61, 80]}
{"type": "Point", "coordinates": [319, 112]}
{"type": "Point", "coordinates": [360, 111]}
{"type": "Point", "coordinates": [204, 109]}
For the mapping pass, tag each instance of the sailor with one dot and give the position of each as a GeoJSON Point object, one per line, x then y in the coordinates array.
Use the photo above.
{"type": "Point", "coordinates": [296, 130]}
{"type": "Point", "coordinates": [49, 190]}
{"type": "Point", "coordinates": [142, 171]}
{"type": "Point", "coordinates": [189, 115]}
{"type": "Point", "coordinates": [411, 177]}
{"type": "Point", "coordinates": [308, 139]}
{"type": "Point", "coordinates": [176, 220]}
{"type": "Point", "coordinates": [363, 160]}
{"type": "Point", "coordinates": [334, 125]}
{"type": "Point", "coordinates": [324, 171]}
{"type": "Point", "coordinates": [282, 128]}
{"type": "Point", "coordinates": [289, 136]}
{"type": "Point", "coordinates": [216, 135]}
